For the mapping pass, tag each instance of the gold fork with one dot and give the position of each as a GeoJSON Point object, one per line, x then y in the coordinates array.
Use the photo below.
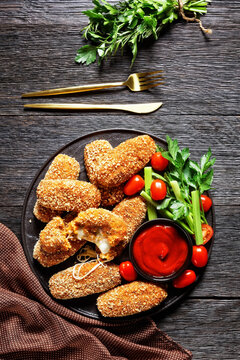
{"type": "Point", "coordinates": [135, 82]}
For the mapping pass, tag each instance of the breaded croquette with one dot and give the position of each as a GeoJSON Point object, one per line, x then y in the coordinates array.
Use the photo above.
{"type": "Point", "coordinates": [68, 195]}
{"type": "Point", "coordinates": [53, 237]}
{"type": "Point", "coordinates": [99, 226]}
{"type": "Point", "coordinates": [62, 167]}
{"type": "Point", "coordinates": [118, 165]}
{"type": "Point", "coordinates": [44, 214]}
{"type": "Point", "coordinates": [47, 260]}
{"type": "Point", "coordinates": [130, 299]}
{"type": "Point", "coordinates": [111, 196]}
{"type": "Point", "coordinates": [133, 211]}
{"type": "Point", "coordinates": [64, 286]}
{"type": "Point", "coordinates": [92, 154]}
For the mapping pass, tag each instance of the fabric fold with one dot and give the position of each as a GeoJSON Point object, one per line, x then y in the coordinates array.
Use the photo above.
{"type": "Point", "coordinates": [34, 326]}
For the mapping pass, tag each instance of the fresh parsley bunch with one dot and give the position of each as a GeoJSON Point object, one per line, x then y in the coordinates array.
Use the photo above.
{"type": "Point", "coordinates": [126, 24]}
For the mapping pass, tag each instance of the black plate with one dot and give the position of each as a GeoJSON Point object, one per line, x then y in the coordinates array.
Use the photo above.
{"type": "Point", "coordinates": [31, 228]}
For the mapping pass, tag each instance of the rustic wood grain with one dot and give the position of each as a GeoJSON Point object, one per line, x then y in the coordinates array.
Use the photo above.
{"type": "Point", "coordinates": [38, 41]}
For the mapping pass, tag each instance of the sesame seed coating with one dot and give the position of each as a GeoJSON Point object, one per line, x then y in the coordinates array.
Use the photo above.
{"type": "Point", "coordinates": [64, 286]}
{"type": "Point", "coordinates": [133, 211]}
{"type": "Point", "coordinates": [118, 165]}
{"type": "Point", "coordinates": [92, 154]}
{"type": "Point", "coordinates": [68, 195]}
{"type": "Point", "coordinates": [62, 167]}
{"type": "Point", "coordinates": [98, 224]}
{"type": "Point", "coordinates": [44, 214]}
{"type": "Point", "coordinates": [130, 299]}
{"type": "Point", "coordinates": [111, 196]}
{"type": "Point", "coordinates": [47, 260]}
{"type": "Point", "coordinates": [53, 237]}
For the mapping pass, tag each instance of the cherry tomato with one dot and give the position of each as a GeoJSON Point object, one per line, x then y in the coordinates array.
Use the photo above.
{"type": "Point", "coordinates": [158, 162]}
{"type": "Point", "coordinates": [206, 203]}
{"type": "Point", "coordinates": [134, 185]}
{"type": "Point", "coordinates": [127, 271]}
{"type": "Point", "coordinates": [185, 279]}
{"type": "Point", "coordinates": [207, 232]}
{"type": "Point", "coordinates": [158, 190]}
{"type": "Point", "coordinates": [199, 256]}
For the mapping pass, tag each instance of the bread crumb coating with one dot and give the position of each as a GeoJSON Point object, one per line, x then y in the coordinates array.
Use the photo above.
{"type": "Point", "coordinates": [64, 286]}
{"type": "Point", "coordinates": [62, 167]}
{"type": "Point", "coordinates": [92, 154]}
{"type": "Point", "coordinates": [53, 236]}
{"type": "Point", "coordinates": [68, 195]}
{"type": "Point", "coordinates": [130, 299]}
{"type": "Point", "coordinates": [99, 226]}
{"type": "Point", "coordinates": [118, 165]}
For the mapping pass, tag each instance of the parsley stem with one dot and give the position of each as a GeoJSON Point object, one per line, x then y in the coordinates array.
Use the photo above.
{"type": "Point", "coordinates": [197, 217]}
{"type": "Point", "coordinates": [164, 212]}
{"type": "Point", "coordinates": [178, 195]}
{"type": "Point", "coordinates": [157, 176]}
{"type": "Point", "coordinates": [151, 210]}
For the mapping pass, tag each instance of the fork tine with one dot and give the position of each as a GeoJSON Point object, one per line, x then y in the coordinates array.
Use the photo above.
{"type": "Point", "coordinates": [148, 73]}
{"type": "Point", "coordinates": [146, 87]}
{"type": "Point", "coordinates": [150, 79]}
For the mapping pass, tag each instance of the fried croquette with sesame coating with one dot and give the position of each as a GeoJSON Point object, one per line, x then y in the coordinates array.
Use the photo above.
{"type": "Point", "coordinates": [53, 237]}
{"type": "Point", "coordinates": [118, 165]}
{"type": "Point", "coordinates": [44, 214]}
{"type": "Point", "coordinates": [111, 196]}
{"type": "Point", "coordinates": [48, 260]}
{"type": "Point", "coordinates": [64, 286]}
{"type": "Point", "coordinates": [130, 299]}
{"type": "Point", "coordinates": [92, 154]}
{"type": "Point", "coordinates": [68, 195]}
{"type": "Point", "coordinates": [99, 226]}
{"type": "Point", "coordinates": [62, 167]}
{"type": "Point", "coordinates": [133, 211]}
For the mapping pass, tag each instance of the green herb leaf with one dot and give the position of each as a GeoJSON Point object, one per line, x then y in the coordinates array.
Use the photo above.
{"type": "Point", "coordinates": [86, 54]}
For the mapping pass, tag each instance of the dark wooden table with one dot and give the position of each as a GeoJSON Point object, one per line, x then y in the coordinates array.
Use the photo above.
{"type": "Point", "coordinates": [38, 41]}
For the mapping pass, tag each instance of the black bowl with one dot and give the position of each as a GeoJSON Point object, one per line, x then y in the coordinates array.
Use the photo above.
{"type": "Point", "coordinates": [185, 235]}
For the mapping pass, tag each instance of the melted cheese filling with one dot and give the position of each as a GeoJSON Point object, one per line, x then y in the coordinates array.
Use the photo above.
{"type": "Point", "coordinates": [100, 240]}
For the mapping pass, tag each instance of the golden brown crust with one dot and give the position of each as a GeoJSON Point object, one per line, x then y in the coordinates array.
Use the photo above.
{"type": "Point", "coordinates": [47, 260]}
{"type": "Point", "coordinates": [118, 165]}
{"type": "Point", "coordinates": [111, 196]}
{"type": "Point", "coordinates": [130, 299]}
{"type": "Point", "coordinates": [133, 211]}
{"type": "Point", "coordinates": [53, 237]}
{"type": "Point", "coordinates": [62, 167]}
{"type": "Point", "coordinates": [68, 195]}
{"type": "Point", "coordinates": [64, 286]}
{"type": "Point", "coordinates": [44, 214]}
{"type": "Point", "coordinates": [92, 155]}
{"type": "Point", "coordinates": [97, 225]}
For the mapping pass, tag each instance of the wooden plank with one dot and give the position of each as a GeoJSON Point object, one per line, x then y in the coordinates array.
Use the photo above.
{"type": "Point", "coordinates": [209, 328]}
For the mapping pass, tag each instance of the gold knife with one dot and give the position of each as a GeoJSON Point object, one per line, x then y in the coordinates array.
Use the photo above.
{"type": "Point", "coordinates": [135, 108]}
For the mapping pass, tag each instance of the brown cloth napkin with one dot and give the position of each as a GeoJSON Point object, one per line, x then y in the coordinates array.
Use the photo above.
{"type": "Point", "coordinates": [33, 326]}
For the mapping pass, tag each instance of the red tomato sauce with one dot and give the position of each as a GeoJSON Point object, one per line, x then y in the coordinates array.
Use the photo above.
{"type": "Point", "coordinates": [160, 250]}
